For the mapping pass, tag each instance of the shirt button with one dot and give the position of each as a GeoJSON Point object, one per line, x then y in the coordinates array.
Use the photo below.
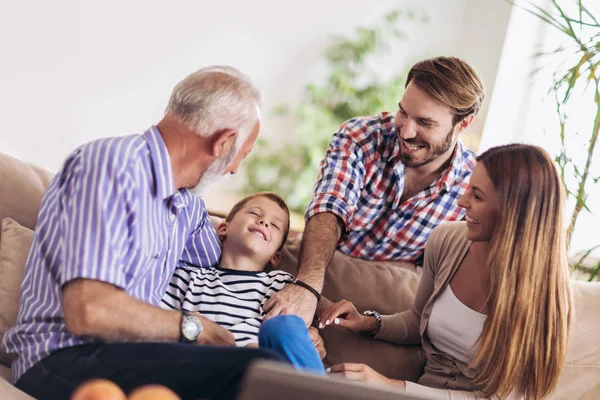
{"type": "Point", "coordinates": [172, 217]}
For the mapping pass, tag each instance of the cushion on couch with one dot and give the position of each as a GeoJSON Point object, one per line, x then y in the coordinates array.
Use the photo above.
{"type": "Point", "coordinates": [387, 287]}
{"type": "Point", "coordinates": [15, 242]}
{"type": "Point", "coordinates": [8, 391]}
{"type": "Point", "coordinates": [581, 373]}
{"type": "Point", "coordinates": [22, 186]}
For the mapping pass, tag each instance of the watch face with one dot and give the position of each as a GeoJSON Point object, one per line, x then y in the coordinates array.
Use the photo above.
{"type": "Point", "coordinates": [191, 328]}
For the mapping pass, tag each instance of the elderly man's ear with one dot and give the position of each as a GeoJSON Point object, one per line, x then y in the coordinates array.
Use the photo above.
{"type": "Point", "coordinates": [223, 141]}
{"type": "Point", "coordinates": [222, 231]}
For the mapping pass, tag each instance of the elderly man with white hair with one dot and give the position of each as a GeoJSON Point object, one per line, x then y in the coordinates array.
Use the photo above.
{"type": "Point", "coordinates": [114, 222]}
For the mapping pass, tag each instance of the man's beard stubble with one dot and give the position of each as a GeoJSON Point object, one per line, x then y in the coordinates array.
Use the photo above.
{"type": "Point", "coordinates": [433, 151]}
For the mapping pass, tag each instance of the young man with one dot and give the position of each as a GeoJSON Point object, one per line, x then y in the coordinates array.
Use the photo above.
{"type": "Point", "coordinates": [233, 294]}
{"type": "Point", "coordinates": [388, 180]}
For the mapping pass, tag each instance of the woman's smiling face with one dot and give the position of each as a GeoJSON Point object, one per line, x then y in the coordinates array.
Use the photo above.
{"type": "Point", "coordinates": [482, 206]}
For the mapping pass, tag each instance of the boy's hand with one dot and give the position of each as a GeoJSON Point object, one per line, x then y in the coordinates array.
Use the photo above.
{"type": "Point", "coordinates": [292, 299]}
{"type": "Point", "coordinates": [317, 341]}
{"type": "Point", "coordinates": [214, 334]}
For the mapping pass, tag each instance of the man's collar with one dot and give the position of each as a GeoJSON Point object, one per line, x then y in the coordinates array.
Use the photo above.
{"type": "Point", "coordinates": [396, 147]}
{"type": "Point", "coordinates": [453, 171]}
{"type": "Point", "coordinates": [161, 163]}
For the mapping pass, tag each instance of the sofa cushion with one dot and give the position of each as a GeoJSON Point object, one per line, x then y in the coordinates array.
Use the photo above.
{"type": "Point", "coordinates": [22, 186]}
{"type": "Point", "coordinates": [15, 243]}
{"type": "Point", "coordinates": [8, 391]}
{"type": "Point", "coordinates": [5, 373]}
{"type": "Point", "coordinates": [387, 287]}
{"type": "Point", "coordinates": [581, 373]}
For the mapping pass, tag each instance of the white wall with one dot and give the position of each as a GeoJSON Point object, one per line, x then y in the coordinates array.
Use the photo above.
{"type": "Point", "coordinates": [73, 71]}
{"type": "Point", "coordinates": [523, 111]}
{"type": "Point", "coordinates": [481, 40]}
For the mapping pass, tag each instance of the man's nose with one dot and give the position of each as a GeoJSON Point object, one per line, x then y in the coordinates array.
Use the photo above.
{"type": "Point", "coordinates": [407, 130]}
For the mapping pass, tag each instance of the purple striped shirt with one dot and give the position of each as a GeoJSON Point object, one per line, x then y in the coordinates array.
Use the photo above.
{"type": "Point", "coordinates": [111, 214]}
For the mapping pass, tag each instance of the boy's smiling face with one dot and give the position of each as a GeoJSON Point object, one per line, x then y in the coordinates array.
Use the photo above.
{"type": "Point", "coordinates": [257, 230]}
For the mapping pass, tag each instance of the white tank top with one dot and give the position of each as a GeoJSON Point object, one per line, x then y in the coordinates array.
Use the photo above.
{"type": "Point", "coordinates": [453, 327]}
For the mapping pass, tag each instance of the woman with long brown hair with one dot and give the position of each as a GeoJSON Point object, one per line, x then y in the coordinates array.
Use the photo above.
{"type": "Point", "coordinates": [494, 306]}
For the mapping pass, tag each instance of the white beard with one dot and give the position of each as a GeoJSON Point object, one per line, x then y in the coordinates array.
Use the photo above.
{"type": "Point", "coordinates": [213, 174]}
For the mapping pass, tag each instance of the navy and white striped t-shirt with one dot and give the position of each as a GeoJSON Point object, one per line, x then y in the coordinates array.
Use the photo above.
{"type": "Point", "coordinates": [233, 299]}
{"type": "Point", "coordinates": [111, 214]}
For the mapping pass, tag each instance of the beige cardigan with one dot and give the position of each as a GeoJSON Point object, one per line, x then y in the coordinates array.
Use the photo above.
{"type": "Point", "coordinates": [444, 251]}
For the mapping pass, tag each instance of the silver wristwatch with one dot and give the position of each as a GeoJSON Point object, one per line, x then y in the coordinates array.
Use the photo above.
{"type": "Point", "coordinates": [191, 328]}
{"type": "Point", "coordinates": [377, 316]}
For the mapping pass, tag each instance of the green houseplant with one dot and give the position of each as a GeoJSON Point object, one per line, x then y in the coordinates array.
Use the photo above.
{"type": "Point", "coordinates": [352, 88]}
{"type": "Point", "coordinates": [578, 72]}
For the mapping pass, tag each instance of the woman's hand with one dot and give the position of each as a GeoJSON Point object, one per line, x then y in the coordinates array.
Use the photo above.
{"type": "Point", "coordinates": [344, 314]}
{"type": "Point", "coordinates": [364, 373]}
{"type": "Point", "coordinates": [317, 341]}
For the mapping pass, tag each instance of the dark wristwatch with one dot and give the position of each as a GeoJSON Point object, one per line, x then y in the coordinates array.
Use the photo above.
{"type": "Point", "coordinates": [191, 328]}
{"type": "Point", "coordinates": [377, 316]}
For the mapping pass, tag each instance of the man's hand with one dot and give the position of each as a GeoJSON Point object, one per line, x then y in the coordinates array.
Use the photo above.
{"type": "Point", "coordinates": [364, 373]}
{"type": "Point", "coordinates": [321, 234]}
{"type": "Point", "coordinates": [317, 341]}
{"type": "Point", "coordinates": [214, 334]}
{"type": "Point", "coordinates": [292, 299]}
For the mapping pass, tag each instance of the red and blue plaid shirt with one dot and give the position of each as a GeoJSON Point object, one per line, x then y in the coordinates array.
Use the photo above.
{"type": "Point", "coordinates": [361, 181]}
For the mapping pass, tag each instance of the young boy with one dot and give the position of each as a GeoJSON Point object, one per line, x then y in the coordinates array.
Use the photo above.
{"type": "Point", "coordinates": [234, 293]}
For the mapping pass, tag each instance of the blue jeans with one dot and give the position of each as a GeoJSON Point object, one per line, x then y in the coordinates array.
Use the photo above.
{"type": "Point", "coordinates": [288, 336]}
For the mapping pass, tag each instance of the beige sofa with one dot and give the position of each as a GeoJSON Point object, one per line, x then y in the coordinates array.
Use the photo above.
{"type": "Point", "coordinates": [386, 287]}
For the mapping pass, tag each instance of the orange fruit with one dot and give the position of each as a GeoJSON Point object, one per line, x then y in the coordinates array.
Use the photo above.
{"type": "Point", "coordinates": [98, 389]}
{"type": "Point", "coordinates": [153, 392]}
